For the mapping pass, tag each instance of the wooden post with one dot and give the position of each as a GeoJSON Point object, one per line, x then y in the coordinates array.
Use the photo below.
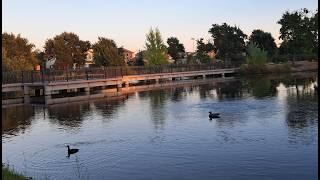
{"type": "Point", "coordinates": [22, 76]}
{"type": "Point", "coordinates": [67, 75]}
{"type": "Point", "coordinates": [105, 72]}
{"type": "Point", "coordinates": [87, 74]}
{"type": "Point", "coordinates": [31, 76]}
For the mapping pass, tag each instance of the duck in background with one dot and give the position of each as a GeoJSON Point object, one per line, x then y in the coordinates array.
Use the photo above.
{"type": "Point", "coordinates": [213, 115]}
{"type": "Point", "coordinates": [71, 151]}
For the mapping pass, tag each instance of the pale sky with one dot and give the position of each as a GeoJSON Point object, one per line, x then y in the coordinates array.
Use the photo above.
{"type": "Point", "coordinates": [128, 21]}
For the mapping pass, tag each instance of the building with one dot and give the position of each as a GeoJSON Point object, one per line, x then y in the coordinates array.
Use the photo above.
{"type": "Point", "coordinates": [128, 55]}
{"type": "Point", "coordinates": [89, 58]}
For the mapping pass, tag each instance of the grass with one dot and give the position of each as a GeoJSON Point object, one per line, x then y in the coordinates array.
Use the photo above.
{"type": "Point", "coordinates": [10, 174]}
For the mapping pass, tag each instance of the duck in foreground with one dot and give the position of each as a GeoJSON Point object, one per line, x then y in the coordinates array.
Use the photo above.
{"type": "Point", "coordinates": [214, 115]}
{"type": "Point", "coordinates": [72, 151]}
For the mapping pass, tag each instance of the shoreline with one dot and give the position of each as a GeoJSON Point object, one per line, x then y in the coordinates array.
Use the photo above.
{"type": "Point", "coordinates": [289, 67]}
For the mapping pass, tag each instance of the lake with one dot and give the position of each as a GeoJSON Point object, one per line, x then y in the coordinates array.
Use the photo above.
{"type": "Point", "coordinates": [268, 129]}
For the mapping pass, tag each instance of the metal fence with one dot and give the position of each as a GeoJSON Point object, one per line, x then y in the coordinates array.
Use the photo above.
{"type": "Point", "coordinates": [52, 75]}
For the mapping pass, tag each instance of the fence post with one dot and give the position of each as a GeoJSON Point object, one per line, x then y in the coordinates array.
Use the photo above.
{"type": "Point", "coordinates": [42, 76]}
{"type": "Point", "coordinates": [22, 76]}
{"type": "Point", "coordinates": [67, 74]}
{"type": "Point", "coordinates": [86, 71]}
{"type": "Point", "coordinates": [31, 76]}
{"type": "Point", "coordinates": [105, 72]}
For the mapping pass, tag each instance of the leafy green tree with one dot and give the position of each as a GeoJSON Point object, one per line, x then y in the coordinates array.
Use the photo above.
{"type": "Point", "coordinates": [106, 53]}
{"type": "Point", "coordinates": [256, 59]}
{"type": "Point", "coordinates": [229, 41]}
{"type": "Point", "coordinates": [67, 48]}
{"type": "Point", "coordinates": [17, 53]}
{"type": "Point", "coordinates": [264, 41]}
{"type": "Point", "coordinates": [202, 50]}
{"type": "Point", "coordinates": [255, 55]}
{"type": "Point", "coordinates": [175, 48]}
{"type": "Point", "coordinates": [156, 50]}
{"type": "Point", "coordinates": [299, 33]}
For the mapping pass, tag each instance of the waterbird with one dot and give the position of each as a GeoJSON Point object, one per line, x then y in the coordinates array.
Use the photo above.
{"type": "Point", "coordinates": [72, 151]}
{"type": "Point", "coordinates": [213, 115]}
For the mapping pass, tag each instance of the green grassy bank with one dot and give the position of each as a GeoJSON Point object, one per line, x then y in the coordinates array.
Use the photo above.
{"type": "Point", "coordinates": [298, 66]}
{"type": "Point", "coordinates": [10, 174]}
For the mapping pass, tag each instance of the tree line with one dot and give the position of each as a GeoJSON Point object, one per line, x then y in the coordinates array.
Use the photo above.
{"type": "Point", "coordinates": [298, 32]}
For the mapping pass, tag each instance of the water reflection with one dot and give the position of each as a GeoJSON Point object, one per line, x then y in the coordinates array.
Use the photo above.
{"type": "Point", "coordinates": [262, 86]}
{"type": "Point", "coordinates": [178, 94]}
{"type": "Point", "coordinates": [16, 119]}
{"type": "Point", "coordinates": [260, 116]}
{"type": "Point", "coordinates": [226, 90]}
{"type": "Point", "coordinates": [158, 100]}
{"type": "Point", "coordinates": [108, 109]}
{"type": "Point", "coordinates": [302, 110]}
{"type": "Point", "coordinates": [206, 91]}
{"type": "Point", "coordinates": [69, 116]}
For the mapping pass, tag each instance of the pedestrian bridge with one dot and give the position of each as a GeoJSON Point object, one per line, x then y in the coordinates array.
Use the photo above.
{"type": "Point", "coordinates": [52, 82]}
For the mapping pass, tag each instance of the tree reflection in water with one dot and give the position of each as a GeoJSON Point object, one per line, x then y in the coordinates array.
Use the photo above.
{"type": "Point", "coordinates": [262, 86]}
{"type": "Point", "coordinates": [158, 99]}
{"type": "Point", "coordinates": [226, 90]}
{"type": "Point", "coordinates": [69, 115]}
{"type": "Point", "coordinates": [205, 91]}
{"type": "Point", "coordinates": [302, 108]}
{"type": "Point", "coordinates": [16, 119]}
{"type": "Point", "coordinates": [178, 94]}
{"type": "Point", "coordinates": [108, 108]}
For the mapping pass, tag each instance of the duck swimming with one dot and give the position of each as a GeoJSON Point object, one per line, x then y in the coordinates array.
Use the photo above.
{"type": "Point", "coordinates": [72, 151]}
{"type": "Point", "coordinates": [214, 115]}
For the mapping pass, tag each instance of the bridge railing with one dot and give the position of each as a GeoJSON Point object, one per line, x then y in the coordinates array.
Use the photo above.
{"type": "Point", "coordinates": [53, 75]}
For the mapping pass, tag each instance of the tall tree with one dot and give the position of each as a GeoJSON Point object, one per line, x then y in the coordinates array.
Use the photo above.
{"type": "Point", "coordinates": [156, 50]}
{"type": "Point", "coordinates": [263, 40]}
{"type": "Point", "coordinates": [67, 48]}
{"type": "Point", "coordinates": [175, 48]}
{"type": "Point", "coordinates": [202, 50]}
{"type": "Point", "coordinates": [17, 53]}
{"type": "Point", "coordinates": [106, 53]}
{"type": "Point", "coordinates": [299, 33]}
{"type": "Point", "coordinates": [229, 41]}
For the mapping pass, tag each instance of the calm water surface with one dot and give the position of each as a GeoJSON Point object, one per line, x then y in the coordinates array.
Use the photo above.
{"type": "Point", "coordinates": [268, 130]}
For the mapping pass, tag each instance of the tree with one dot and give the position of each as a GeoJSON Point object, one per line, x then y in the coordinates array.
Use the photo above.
{"type": "Point", "coordinates": [256, 59]}
{"type": "Point", "coordinates": [299, 33]}
{"type": "Point", "coordinates": [255, 55]}
{"type": "Point", "coordinates": [202, 50]}
{"type": "Point", "coordinates": [106, 53]}
{"type": "Point", "coordinates": [17, 53]}
{"type": "Point", "coordinates": [156, 51]}
{"type": "Point", "coordinates": [264, 41]}
{"type": "Point", "coordinates": [67, 48]}
{"type": "Point", "coordinates": [175, 48]}
{"type": "Point", "coordinates": [229, 41]}
{"type": "Point", "coordinates": [139, 59]}
{"type": "Point", "coordinates": [40, 55]}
